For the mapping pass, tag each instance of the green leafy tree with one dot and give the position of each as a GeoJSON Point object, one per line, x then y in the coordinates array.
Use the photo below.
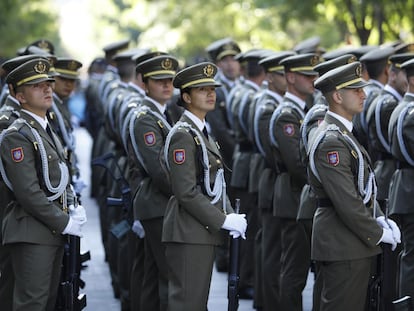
{"type": "Point", "coordinates": [22, 22]}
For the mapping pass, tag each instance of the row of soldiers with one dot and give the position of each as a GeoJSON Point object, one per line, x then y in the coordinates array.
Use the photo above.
{"type": "Point", "coordinates": [41, 212]}
{"type": "Point", "coordinates": [265, 110]}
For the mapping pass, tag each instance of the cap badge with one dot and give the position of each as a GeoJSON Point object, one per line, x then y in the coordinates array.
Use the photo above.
{"type": "Point", "coordinates": [208, 71]}
{"type": "Point", "coordinates": [44, 45]}
{"type": "Point", "coordinates": [72, 65]}
{"type": "Point", "coordinates": [166, 64]}
{"type": "Point", "coordinates": [351, 59]}
{"type": "Point", "coordinates": [358, 71]}
{"type": "Point", "coordinates": [314, 60]}
{"type": "Point", "coordinates": [40, 67]}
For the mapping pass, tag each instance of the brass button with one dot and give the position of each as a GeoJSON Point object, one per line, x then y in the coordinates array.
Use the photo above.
{"type": "Point", "coordinates": [49, 157]}
{"type": "Point", "coordinates": [218, 161]}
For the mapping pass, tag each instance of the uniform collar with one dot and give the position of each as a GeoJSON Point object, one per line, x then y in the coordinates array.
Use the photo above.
{"type": "Point", "coordinates": [199, 123]}
{"type": "Point", "coordinates": [160, 107]}
{"type": "Point", "coordinates": [296, 100]}
{"type": "Point", "coordinates": [388, 88]}
{"type": "Point", "coordinates": [43, 122]}
{"type": "Point", "coordinates": [348, 124]}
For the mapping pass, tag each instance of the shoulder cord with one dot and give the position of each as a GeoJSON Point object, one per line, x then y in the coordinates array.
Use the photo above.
{"type": "Point", "coordinates": [126, 125]}
{"type": "Point", "coordinates": [367, 191]}
{"type": "Point", "coordinates": [218, 190]}
{"type": "Point", "coordinates": [259, 112]}
{"type": "Point", "coordinates": [128, 103]}
{"type": "Point", "coordinates": [229, 104]}
{"type": "Point", "coordinates": [243, 103]}
{"type": "Point", "coordinates": [276, 114]}
{"type": "Point", "coordinates": [400, 137]}
{"type": "Point", "coordinates": [136, 114]}
{"type": "Point", "coordinates": [67, 137]}
{"type": "Point", "coordinates": [381, 137]}
{"type": "Point", "coordinates": [306, 119]}
{"type": "Point", "coordinates": [110, 111]}
{"type": "Point", "coordinates": [64, 173]}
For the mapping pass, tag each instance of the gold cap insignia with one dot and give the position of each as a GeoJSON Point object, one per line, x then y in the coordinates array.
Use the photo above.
{"type": "Point", "coordinates": [358, 71]}
{"type": "Point", "coordinates": [40, 67]}
{"type": "Point", "coordinates": [208, 71]}
{"type": "Point", "coordinates": [314, 60]}
{"type": "Point", "coordinates": [72, 65]}
{"type": "Point", "coordinates": [167, 64]}
{"type": "Point", "coordinates": [351, 59]}
{"type": "Point", "coordinates": [43, 45]}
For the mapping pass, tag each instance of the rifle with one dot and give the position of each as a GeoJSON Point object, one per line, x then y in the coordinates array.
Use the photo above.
{"type": "Point", "coordinates": [69, 298]}
{"type": "Point", "coordinates": [233, 281]}
{"type": "Point", "coordinates": [122, 227]}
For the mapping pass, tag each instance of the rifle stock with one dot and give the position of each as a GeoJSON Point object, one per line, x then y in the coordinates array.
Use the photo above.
{"type": "Point", "coordinates": [233, 279]}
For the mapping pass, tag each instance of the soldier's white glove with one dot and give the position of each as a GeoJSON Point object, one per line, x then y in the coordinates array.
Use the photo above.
{"type": "Point", "coordinates": [138, 229]}
{"type": "Point", "coordinates": [236, 222]}
{"type": "Point", "coordinates": [234, 234]}
{"type": "Point", "coordinates": [78, 213]}
{"type": "Point", "coordinates": [387, 237]}
{"type": "Point", "coordinates": [390, 224]}
{"type": "Point", "coordinates": [73, 227]}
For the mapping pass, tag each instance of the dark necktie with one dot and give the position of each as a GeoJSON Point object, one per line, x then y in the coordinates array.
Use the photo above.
{"type": "Point", "coordinates": [167, 117]}
{"type": "Point", "coordinates": [49, 131]}
{"type": "Point", "coordinates": [205, 132]}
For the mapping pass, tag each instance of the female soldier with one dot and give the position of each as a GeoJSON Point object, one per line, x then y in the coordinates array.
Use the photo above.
{"type": "Point", "coordinates": [199, 207]}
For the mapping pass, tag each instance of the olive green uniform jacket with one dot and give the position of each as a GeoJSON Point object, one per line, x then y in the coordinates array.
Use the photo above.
{"type": "Point", "coordinates": [346, 230]}
{"type": "Point", "coordinates": [190, 217]}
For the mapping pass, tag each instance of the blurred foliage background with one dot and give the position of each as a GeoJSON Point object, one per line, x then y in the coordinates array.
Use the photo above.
{"type": "Point", "coordinates": [80, 28]}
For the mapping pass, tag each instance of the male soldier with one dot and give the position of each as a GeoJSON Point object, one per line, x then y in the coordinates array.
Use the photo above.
{"type": "Point", "coordinates": [66, 73]}
{"type": "Point", "coordinates": [241, 180]}
{"type": "Point", "coordinates": [8, 113]}
{"type": "Point", "coordinates": [222, 53]}
{"type": "Point", "coordinates": [285, 137]}
{"type": "Point", "coordinates": [268, 101]}
{"type": "Point", "coordinates": [400, 192]}
{"type": "Point", "coordinates": [150, 131]}
{"type": "Point", "coordinates": [376, 64]}
{"type": "Point", "coordinates": [346, 228]}
{"type": "Point", "coordinates": [308, 202]}
{"type": "Point", "coordinates": [34, 169]}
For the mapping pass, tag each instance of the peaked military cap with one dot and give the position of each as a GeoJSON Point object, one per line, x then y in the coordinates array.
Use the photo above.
{"type": "Point", "coordinates": [159, 67]}
{"type": "Point", "coordinates": [34, 50]}
{"type": "Point", "coordinates": [15, 62]}
{"type": "Point", "coordinates": [398, 59]}
{"type": "Point", "coordinates": [310, 45]}
{"type": "Point", "coordinates": [201, 74]}
{"type": "Point", "coordinates": [138, 58]}
{"type": "Point", "coordinates": [302, 63]}
{"type": "Point", "coordinates": [343, 77]}
{"type": "Point", "coordinates": [222, 48]}
{"type": "Point", "coordinates": [114, 47]}
{"type": "Point", "coordinates": [67, 68]}
{"type": "Point", "coordinates": [378, 54]}
{"type": "Point", "coordinates": [127, 55]}
{"type": "Point", "coordinates": [253, 55]}
{"type": "Point", "coordinates": [271, 63]}
{"type": "Point", "coordinates": [44, 44]}
{"type": "Point", "coordinates": [337, 52]}
{"type": "Point", "coordinates": [408, 66]}
{"type": "Point", "coordinates": [324, 67]}
{"type": "Point", "coordinates": [31, 72]}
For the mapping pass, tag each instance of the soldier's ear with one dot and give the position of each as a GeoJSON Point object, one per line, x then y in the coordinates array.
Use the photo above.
{"type": "Point", "coordinates": [187, 98]}
{"type": "Point", "coordinates": [20, 97]}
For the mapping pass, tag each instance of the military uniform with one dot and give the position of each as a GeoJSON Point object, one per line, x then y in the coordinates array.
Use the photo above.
{"type": "Point", "coordinates": [345, 233]}
{"type": "Point", "coordinates": [9, 112]}
{"type": "Point", "coordinates": [150, 128]}
{"type": "Point", "coordinates": [195, 213]}
{"type": "Point", "coordinates": [400, 191]}
{"type": "Point", "coordinates": [284, 131]}
{"type": "Point", "coordinates": [36, 218]}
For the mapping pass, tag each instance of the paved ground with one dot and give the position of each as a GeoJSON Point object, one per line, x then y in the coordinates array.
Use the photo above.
{"type": "Point", "coordinates": [98, 286]}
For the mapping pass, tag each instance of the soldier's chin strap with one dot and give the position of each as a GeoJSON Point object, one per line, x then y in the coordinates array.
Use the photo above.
{"type": "Point", "coordinates": [218, 190]}
{"type": "Point", "coordinates": [367, 191]}
{"type": "Point", "coordinates": [64, 172]}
